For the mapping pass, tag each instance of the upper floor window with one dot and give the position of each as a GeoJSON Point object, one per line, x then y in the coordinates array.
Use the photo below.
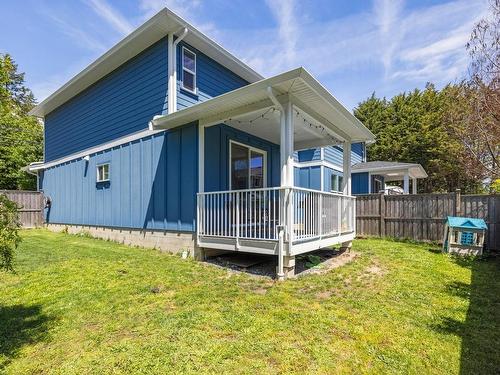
{"type": "Point", "coordinates": [188, 70]}
{"type": "Point", "coordinates": [103, 172]}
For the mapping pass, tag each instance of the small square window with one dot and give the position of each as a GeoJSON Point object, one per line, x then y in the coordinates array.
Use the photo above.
{"type": "Point", "coordinates": [103, 172]}
{"type": "Point", "coordinates": [188, 70]}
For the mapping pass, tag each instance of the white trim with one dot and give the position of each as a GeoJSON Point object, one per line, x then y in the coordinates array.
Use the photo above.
{"type": "Point", "coordinates": [250, 148]}
{"type": "Point", "coordinates": [195, 88]}
{"type": "Point", "coordinates": [317, 163]}
{"type": "Point", "coordinates": [170, 72]}
{"type": "Point", "coordinates": [201, 158]}
{"type": "Point", "coordinates": [369, 183]}
{"type": "Point", "coordinates": [93, 150]}
{"type": "Point", "coordinates": [346, 168]}
{"type": "Point", "coordinates": [322, 177]}
{"type": "Point", "coordinates": [97, 171]}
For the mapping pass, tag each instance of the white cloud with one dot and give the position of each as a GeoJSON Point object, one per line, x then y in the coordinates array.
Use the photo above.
{"type": "Point", "coordinates": [284, 12]}
{"type": "Point", "coordinates": [51, 83]}
{"type": "Point", "coordinates": [77, 34]}
{"type": "Point", "coordinates": [111, 16]}
{"type": "Point", "coordinates": [388, 14]}
{"type": "Point", "coordinates": [190, 10]}
{"type": "Point", "coordinates": [435, 50]}
{"type": "Point", "coordinates": [183, 8]}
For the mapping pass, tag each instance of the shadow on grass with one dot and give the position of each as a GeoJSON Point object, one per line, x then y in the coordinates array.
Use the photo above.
{"type": "Point", "coordinates": [20, 325]}
{"type": "Point", "coordinates": [480, 333]}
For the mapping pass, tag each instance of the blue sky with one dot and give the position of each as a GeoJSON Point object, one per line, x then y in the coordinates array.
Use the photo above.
{"type": "Point", "coordinates": [353, 47]}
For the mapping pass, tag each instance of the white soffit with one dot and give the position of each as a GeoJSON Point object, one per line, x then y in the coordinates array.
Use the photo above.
{"type": "Point", "coordinates": [157, 27]}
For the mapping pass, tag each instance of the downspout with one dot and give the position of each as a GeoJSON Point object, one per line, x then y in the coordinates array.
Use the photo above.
{"type": "Point", "coordinates": [172, 51]}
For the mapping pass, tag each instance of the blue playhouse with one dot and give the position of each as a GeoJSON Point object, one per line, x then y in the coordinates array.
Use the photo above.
{"type": "Point", "coordinates": [464, 235]}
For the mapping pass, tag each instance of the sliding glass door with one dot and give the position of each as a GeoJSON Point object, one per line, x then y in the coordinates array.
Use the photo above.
{"type": "Point", "coordinates": [247, 167]}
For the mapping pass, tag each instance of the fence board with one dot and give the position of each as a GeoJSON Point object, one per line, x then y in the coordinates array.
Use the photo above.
{"type": "Point", "coordinates": [422, 217]}
{"type": "Point", "coordinates": [31, 206]}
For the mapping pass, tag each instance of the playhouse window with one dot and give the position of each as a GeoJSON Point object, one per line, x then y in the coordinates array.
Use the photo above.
{"type": "Point", "coordinates": [103, 172]}
{"type": "Point", "coordinates": [188, 70]}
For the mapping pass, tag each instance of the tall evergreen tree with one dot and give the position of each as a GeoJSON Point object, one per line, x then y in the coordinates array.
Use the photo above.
{"type": "Point", "coordinates": [21, 135]}
{"type": "Point", "coordinates": [412, 127]}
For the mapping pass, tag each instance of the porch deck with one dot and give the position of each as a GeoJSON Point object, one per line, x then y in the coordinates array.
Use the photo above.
{"type": "Point", "coordinates": [254, 220]}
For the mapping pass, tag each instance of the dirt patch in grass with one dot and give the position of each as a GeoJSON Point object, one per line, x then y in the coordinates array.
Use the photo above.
{"type": "Point", "coordinates": [338, 260]}
{"type": "Point", "coordinates": [315, 262]}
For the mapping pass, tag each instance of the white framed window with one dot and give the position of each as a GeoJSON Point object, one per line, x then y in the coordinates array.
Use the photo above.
{"type": "Point", "coordinates": [188, 70]}
{"type": "Point", "coordinates": [247, 167]}
{"type": "Point", "coordinates": [334, 180]}
{"type": "Point", "coordinates": [103, 172]}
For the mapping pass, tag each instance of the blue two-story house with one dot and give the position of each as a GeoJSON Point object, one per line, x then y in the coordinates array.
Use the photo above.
{"type": "Point", "coordinates": [169, 141]}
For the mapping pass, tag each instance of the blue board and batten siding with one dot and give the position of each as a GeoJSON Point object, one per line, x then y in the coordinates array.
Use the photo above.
{"type": "Point", "coordinates": [152, 184]}
{"type": "Point", "coordinates": [153, 180]}
{"type": "Point", "coordinates": [308, 177]}
{"type": "Point", "coordinates": [359, 183]}
{"type": "Point", "coordinates": [119, 104]}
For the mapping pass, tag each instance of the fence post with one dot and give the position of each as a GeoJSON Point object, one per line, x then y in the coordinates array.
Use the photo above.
{"type": "Point", "coordinates": [458, 203]}
{"type": "Point", "coordinates": [382, 214]}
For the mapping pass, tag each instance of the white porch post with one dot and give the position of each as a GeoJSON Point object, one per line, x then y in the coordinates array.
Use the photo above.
{"type": "Point", "coordinates": [287, 261]}
{"type": "Point", "coordinates": [346, 181]}
{"type": "Point", "coordinates": [289, 142]}
{"type": "Point", "coordinates": [414, 185]}
{"type": "Point", "coordinates": [406, 183]}
{"type": "Point", "coordinates": [346, 190]}
{"type": "Point", "coordinates": [283, 149]}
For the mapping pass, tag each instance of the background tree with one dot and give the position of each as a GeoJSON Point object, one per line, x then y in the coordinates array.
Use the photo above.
{"type": "Point", "coordinates": [21, 135]}
{"type": "Point", "coordinates": [473, 118]}
{"type": "Point", "coordinates": [411, 127]}
{"type": "Point", "coordinates": [9, 232]}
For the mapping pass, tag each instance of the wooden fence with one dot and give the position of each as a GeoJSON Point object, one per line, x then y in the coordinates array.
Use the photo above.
{"type": "Point", "coordinates": [421, 217]}
{"type": "Point", "coordinates": [31, 206]}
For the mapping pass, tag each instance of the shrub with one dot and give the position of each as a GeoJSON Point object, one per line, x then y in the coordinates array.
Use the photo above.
{"type": "Point", "coordinates": [9, 235]}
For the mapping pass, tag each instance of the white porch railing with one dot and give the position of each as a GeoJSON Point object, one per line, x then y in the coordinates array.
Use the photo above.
{"type": "Point", "coordinates": [256, 214]}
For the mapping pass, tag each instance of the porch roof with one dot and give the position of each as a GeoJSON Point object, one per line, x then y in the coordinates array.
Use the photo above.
{"type": "Point", "coordinates": [315, 103]}
{"type": "Point", "coordinates": [392, 171]}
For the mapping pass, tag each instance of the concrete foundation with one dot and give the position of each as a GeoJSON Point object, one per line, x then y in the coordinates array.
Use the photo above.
{"type": "Point", "coordinates": [289, 266]}
{"type": "Point", "coordinates": [172, 242]}
{"type": "Point", "coordinates": [346, 246]}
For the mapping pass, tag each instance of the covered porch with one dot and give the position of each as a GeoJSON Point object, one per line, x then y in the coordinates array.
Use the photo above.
{"type": "Point", "coordinates": [381, 173]}
{"type": "Point", "coordinates": [254, 206]}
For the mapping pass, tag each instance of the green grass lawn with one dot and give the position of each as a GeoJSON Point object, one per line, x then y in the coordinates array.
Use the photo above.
{"type": "Point", "coordinates": [80, 305]}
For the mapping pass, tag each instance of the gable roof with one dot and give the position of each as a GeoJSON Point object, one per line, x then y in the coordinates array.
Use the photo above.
{"type": "Point", "coordinates": [415, 169]}
{"type": "Point", "coordinates": [157, 27]}
{"type": "Point", "coordinates": [466, 222]}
